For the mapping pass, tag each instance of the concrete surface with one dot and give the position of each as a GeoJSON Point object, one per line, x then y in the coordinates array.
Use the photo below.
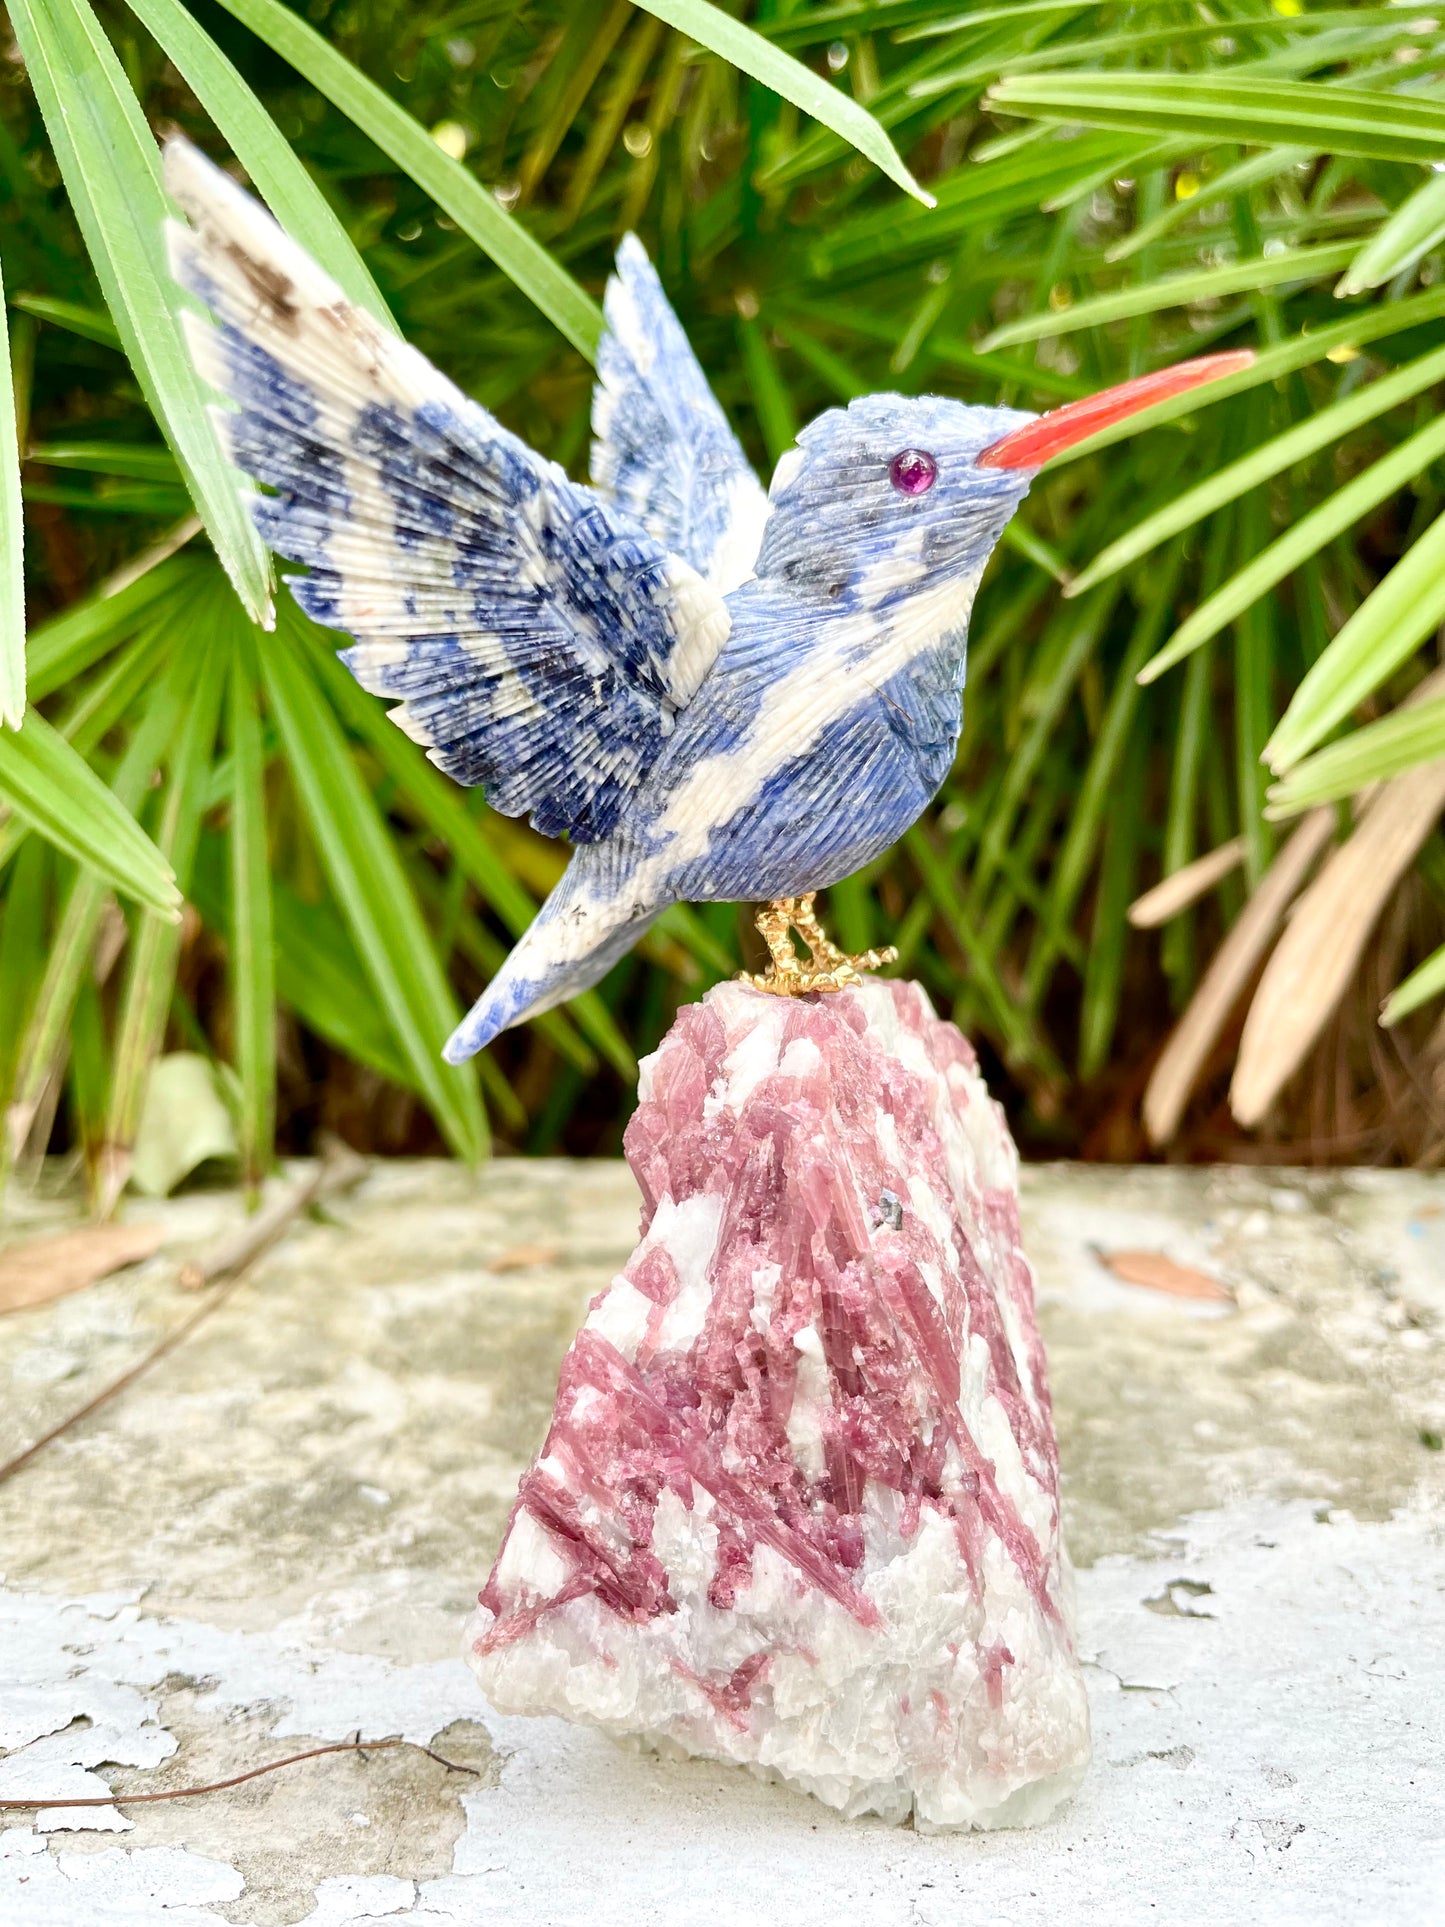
{"type": "Point", "coordinates": [271, 1541]}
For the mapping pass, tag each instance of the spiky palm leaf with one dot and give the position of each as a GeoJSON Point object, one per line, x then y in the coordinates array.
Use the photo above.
{"type": "Point", "coordinates": [1115, 186]}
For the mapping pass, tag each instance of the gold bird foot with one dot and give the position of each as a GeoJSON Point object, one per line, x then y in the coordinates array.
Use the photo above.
{"type": "Point", "coordinates": [829, 967]}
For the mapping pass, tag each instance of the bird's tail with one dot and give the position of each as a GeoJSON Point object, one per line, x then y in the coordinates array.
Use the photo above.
{"type": "Point", "coordinates": [573, 942]}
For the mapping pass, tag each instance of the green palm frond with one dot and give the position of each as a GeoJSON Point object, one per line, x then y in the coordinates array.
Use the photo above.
{"type": "Point", "coordinates": [1252, 569]}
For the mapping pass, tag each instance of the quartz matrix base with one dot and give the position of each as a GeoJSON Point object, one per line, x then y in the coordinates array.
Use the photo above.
{"type": "Point", "coordinates": [798, 1505]}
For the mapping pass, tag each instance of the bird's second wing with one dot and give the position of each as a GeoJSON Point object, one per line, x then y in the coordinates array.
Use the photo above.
{"type": "Point", "coordinates": [540, 641]}
{"type": "Point", "coordinates": [662, 447]}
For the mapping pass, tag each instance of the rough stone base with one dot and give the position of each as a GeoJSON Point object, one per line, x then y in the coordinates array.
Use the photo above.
{"type": "Point", "coordinates": [798, 1504]}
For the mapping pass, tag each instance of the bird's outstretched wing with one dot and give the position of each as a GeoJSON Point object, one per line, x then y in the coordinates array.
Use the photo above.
{"type": "Point", "coordinates": [540, 640]}
{"type": "Point", "coordinates": [662, 448]}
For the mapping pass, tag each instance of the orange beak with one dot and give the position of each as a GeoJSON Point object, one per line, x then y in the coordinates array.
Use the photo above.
{"type": "Point", "coordinates": [1040, 441]}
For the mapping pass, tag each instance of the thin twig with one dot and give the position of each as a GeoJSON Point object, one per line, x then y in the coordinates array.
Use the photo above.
{"type": "Point", "coordinates": [237, 1779]}
{"type": "Point", "coordinates": [118, 1385]}
{"type": "Point", "coordinates": [339, 1168]}
{"type": "Point", "coordinates": [229, 1260]}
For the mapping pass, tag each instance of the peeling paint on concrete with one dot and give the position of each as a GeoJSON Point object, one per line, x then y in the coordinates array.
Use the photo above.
{"type": "Point", "coordinates": [1279, 1757]}
{"type": "Point", "coordinates": [272, 1541]}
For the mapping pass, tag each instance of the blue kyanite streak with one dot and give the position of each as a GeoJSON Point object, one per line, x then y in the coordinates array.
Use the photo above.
{"type": "Point", "coordinates": [713, 693]}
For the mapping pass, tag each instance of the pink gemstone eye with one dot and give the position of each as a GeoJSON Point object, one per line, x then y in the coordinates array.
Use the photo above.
{"type": "Point", "coordinates": [913, 471]}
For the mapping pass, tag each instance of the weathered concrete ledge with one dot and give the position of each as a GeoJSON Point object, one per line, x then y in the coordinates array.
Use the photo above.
{"type": "Point", "coordinates": [272, 1540]}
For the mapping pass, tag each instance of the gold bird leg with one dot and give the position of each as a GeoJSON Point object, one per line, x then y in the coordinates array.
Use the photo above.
{"type": "Point", "coordinates": [828, 968]}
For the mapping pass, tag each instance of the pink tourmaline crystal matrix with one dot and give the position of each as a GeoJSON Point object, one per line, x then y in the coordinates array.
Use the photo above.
{"type": "Point", "coordinates": [798, 1507]}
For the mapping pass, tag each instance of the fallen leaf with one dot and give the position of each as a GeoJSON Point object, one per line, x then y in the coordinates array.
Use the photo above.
{"type": "Point", "coordinates": [183, 1123]}
{"type": "Point", "coordinates": [46, 1268]}
{"type": "Point", "coordinates": [1329, 927]}
{"type": "Point", "coordinates": [1185, 886]}
{"type": "Point", "coordinates": [1155, 1272]}
{"type": "Point", "coordinates": [523, 1257]}
{"type": "Point", "coordinates": [1320, 951]}
{"type": "Point", "coordinates": [1230, 971]}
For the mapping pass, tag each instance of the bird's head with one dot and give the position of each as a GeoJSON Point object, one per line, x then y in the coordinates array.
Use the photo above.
{"type": "Point", "coordinates": [896, 492]}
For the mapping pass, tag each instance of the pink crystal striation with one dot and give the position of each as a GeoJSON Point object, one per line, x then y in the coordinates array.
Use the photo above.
{"type": "Point", "coordinates": [798, 1505]}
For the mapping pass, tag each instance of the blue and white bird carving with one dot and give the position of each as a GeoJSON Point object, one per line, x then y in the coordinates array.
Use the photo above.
{"type": "Point", "coordinates": [715, 693]}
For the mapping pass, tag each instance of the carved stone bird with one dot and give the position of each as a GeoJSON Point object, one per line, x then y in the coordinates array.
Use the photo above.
{"type": "Point", "coordinates": [715, 693]}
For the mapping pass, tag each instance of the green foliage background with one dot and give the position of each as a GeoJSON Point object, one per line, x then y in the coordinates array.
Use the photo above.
{"type": "Point", "coordinates": [1117, 186]}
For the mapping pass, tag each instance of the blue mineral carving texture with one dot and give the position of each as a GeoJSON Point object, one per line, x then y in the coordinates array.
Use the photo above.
{"type": "Point", "coordinates": [713, 692]}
